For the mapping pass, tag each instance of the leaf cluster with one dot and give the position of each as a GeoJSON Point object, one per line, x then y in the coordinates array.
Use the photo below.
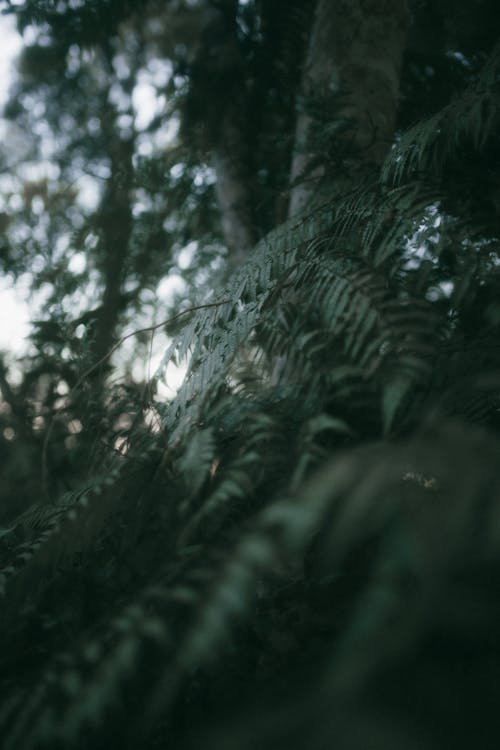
{"type": "Point", "coordinates": [308, 541]}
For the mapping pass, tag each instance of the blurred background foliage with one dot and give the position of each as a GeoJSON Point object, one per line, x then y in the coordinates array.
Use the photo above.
{"type": "Point", "coordinates": [303, 536]}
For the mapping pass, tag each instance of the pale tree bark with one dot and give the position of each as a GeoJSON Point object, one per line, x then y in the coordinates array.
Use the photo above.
{"type": "Point", "coordinates": [355, 51]}
{"type": "Point", "coordinates": [353, 61]}
{"type": "Point", "coordinates": [233, 189]}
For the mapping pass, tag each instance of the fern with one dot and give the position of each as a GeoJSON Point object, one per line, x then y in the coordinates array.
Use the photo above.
{"type": "Point", "coordinates": [58, 532]}
{"type": "Point", "coordinates": [472, 117]}
{"type": "Point", "coordinates": [326, 527]}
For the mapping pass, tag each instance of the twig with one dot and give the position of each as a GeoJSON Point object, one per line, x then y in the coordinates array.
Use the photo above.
{"type": "Point", "coordinates": [108, 354]}
{"type": "Point", "coordinates": [143, 330]}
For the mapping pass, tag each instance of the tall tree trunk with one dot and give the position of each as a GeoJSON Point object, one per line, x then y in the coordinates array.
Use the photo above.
{"type": "Point", "coordinates": [116, 226]}
{"type": "Point", "coordinates": [209, 31]}
{"type": "Point", "coordinates": [231, 156]}
{"type": "Point", "coordinates": [353, 61]}
{"type": "Point", "coordinates": [233, 187]}
{"type": "Point", "coordinates": [115, 222]}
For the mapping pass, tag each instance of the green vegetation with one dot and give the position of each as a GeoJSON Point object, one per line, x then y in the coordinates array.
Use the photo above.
{"type": "Point", "coordinates": [300, 549]}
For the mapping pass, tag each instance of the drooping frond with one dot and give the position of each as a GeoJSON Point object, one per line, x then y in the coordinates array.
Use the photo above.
{"type": "Point", "coordinates": [471, 118]}
{"type": "Point", "coordinates": [317, 512]}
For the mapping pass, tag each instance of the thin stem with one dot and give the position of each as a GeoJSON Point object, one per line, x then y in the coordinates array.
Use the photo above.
{"type": "Point", "coordinates": [103, 359]}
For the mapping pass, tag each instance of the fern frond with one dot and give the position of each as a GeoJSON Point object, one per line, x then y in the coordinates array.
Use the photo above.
{"type": "Point", "coordinates": [473, 117]}
{"type": "Point", "coordinates": [196, 462]}
{"type": "Point", "coordinates": [60, 532]}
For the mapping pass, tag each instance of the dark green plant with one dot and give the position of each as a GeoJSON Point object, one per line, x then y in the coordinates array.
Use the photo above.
{"type": "Point", "coordinates": [303, 555]}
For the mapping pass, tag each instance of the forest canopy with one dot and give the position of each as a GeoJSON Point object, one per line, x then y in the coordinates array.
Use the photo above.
{"type": "Point", "coordinates": [292, 207]}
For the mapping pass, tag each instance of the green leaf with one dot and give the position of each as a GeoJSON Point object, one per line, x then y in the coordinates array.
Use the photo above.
{"type": "Point", "coordinates": [394, 395]}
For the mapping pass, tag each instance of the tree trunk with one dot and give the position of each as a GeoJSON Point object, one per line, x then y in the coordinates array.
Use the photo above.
{"type": "Point", "coordinates": [354, 62]}
{"type": "Point", "coordinates": [231, 155]}
{"type": "Point", "coordinates": [116, 227]}
{"type": "Point", "coordinates": [233, 188]}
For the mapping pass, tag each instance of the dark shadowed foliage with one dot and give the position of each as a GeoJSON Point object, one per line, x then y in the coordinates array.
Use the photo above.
{"type": "Point", "coordinates": [301, 548]}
